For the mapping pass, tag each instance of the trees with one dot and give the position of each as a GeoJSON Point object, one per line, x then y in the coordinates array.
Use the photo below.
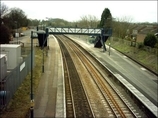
{"type": "Point", "coordinates": [106, 19]}
{"type": "Point", "coordinates": [150, 40]}
{"type": "Point", "coordinates": [4, 34]}
{"type": "Point", "coordinates": [55, 22]}
{"type": "Point", "coordinates": [4, 30]}
{"type": "Point", "coordinates": [10, 20]}
{"type": "Point", "coordinates": [122, 27]}
{"type": "Point", "coordinates": [3, 11]}
{"type": "Point", "coordinates": [33, 22]}
{"type": "Point", "coordinates": [15, 15]}
{"type": "Point", "coordinates": [88, 21]}
{"type": "Point", "coordinates": [15, 18]}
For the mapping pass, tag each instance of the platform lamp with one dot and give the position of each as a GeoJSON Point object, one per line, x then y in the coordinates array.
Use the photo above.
{"type": "Point", "coordinates": [43, 52]}
{"type": "Point", "coordinates": [47, 31]}
{"type": "Point", "coordinates": [16, 30]}
{"type": "Point", "coordinates": [111, 32]}
{"type": "Point", "coordinates": [47, 34]}
{"type": "Point", "coordinates": [31, 80]}
{"type": "Point", "coordinates": [109, 18]}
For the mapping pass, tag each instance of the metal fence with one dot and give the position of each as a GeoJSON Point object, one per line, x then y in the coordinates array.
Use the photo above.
{"type": "Point", "coordinates": [14, 78]}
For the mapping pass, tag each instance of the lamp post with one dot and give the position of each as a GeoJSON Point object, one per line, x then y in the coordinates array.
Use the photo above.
{"type": "Point", "coordinates": [48, 19]}
{"type": "Point", "coordinates": [109, 27]}
{"type": "Point", "coordinates": [45, 36]}
{"type": "Point", "coordinates": [109, 47]}
{"type": "Point", "coordinates": [31, 80]}
{"type": "Point", "coordinates": [47, 32]}
{"type": "Point", "coordinates": [103, 32]}
{"type": "Point", "coordinates": [109, 39]}
{"type": "Point", "coordinates": [43, 55]}
{"type": "Point", "coordinates": [16, 31]}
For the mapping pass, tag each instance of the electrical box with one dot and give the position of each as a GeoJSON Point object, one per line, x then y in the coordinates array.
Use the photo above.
{"type": "Point", "coordinates": [13, 53]}
{"type": "Point", "coordinates": [3, 66]}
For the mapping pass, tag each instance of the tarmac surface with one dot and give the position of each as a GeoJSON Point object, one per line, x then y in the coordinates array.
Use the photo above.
{"type": "Point", "coordinates": [49, 100]}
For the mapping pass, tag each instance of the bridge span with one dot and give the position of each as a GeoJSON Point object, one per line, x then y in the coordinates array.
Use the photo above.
{"type": "Point", "coordinates": [102, 34]}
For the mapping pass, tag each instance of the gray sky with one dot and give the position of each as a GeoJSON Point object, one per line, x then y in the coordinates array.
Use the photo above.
{"type": "Point", "coordinates": [134, 11]}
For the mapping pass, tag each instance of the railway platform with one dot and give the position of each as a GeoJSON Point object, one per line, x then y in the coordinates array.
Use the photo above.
{"type": "Point", "coordinates": [49, 100]}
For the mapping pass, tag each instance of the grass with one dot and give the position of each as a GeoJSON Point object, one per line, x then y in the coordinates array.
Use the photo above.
{"type": "Point", "coordinates": [20, 103]}
{"type": "Point", "coordinates": [148, 59]}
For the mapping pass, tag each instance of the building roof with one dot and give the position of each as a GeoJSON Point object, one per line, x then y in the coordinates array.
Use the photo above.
{"type": "Point", "coordinates": [145, 29]}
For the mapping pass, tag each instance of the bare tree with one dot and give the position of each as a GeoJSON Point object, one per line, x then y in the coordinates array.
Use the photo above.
{"type": "Point", "coordinates": [93, 21]}
{"type": "Point", "coordinates": [88, 21]}
{"type": "Point", "coordinates": [16, 18]}
{"type": "Point", "coordinates": [4, 30]}
{"type": "Point", "coordinates": [3, 11]}
{"type": "Point", "coordinates": [121, 26]}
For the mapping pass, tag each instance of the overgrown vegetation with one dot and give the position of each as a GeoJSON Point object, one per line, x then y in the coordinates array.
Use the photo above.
{"type": "Point", "coordinates": [5, 34]}
{"type": "Point", "coordinates": [150, 40]}
{"type": "Point", "coordinates": [138, 53]}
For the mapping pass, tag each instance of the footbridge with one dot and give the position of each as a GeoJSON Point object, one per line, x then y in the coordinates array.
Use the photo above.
{"type": "Point", "coordinates": [101, 34]}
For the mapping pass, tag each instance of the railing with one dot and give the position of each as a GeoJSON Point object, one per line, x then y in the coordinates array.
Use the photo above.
{"type": "Point", "coordinates": [77, 31]}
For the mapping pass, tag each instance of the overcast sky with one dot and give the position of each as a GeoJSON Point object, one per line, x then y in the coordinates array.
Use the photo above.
{"type": "Point", "coordinates": [135, 11]}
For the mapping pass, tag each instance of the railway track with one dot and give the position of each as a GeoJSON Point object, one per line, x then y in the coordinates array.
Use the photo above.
{"type": "Point", "coordinates": [101, 97]}
{"type": "Point", "coordinates": [77, 104]}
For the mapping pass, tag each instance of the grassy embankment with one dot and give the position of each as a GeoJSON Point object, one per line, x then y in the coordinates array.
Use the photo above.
{"type": "Point", "coordinates": [146, 58]}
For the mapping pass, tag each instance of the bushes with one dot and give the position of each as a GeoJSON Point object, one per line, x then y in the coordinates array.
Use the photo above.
{"type": "Point", "coordinates": [150, 40]}
{"type": "Point", "coordinates": [140, 45]}
{"type": "Point", "coordinates": [4, 34]}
